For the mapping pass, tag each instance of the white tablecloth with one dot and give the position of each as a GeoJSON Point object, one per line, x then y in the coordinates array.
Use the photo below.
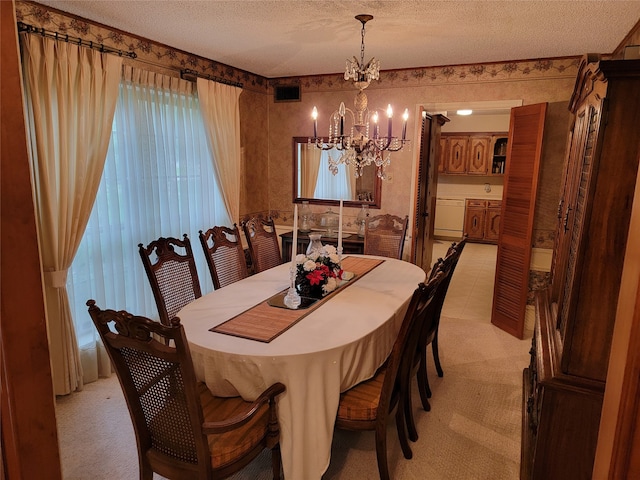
{"type": "Point", "coordinates": [338, 345]}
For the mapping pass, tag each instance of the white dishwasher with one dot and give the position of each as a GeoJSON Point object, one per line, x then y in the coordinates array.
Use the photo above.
{"type": "Point", "coordinates": [449, 221]}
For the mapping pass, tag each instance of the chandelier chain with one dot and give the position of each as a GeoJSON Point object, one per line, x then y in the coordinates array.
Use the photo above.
{"type": "Point", "coordinates": [362, 50]}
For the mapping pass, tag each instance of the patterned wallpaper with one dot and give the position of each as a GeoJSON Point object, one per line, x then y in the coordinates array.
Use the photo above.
{"type": "Point", "coordinates": [146, 50]}
{"type": "Point", "coordinates": [445, 75]}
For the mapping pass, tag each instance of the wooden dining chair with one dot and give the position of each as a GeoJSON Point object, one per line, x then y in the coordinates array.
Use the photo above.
{"type": "Point", "coordinates": [262, 239]}
{"type": "Point", "coordinates": [223, 250]}
{"type": "Point", "coordinates": [384, 235]}
{"type": "Point", "coordinates": [369, 404]}
{"type": "Point", "coordinates": [453, 254]}
{"type": "Point", "coordinates": [171, 270]}
{"type": "Point", "coordinates": [182, 430]}
{"type": "Point", "coordinates": [424, 321]}
{"type": "Point", "coordinates": [429, 334]}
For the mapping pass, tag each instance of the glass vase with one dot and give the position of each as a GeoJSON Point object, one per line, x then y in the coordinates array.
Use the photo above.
{"type": "Point", "coordinates": [315, 247]}
{"type": "Point", "coordinates": [305, 217]}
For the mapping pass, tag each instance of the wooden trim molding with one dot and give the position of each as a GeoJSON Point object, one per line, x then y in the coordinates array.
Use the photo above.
{"type": "Point", "coordinates": [29, 434]}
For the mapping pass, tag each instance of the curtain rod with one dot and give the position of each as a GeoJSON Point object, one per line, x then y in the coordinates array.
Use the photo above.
{"type": "Point", "coordinates": [23, 27]}
{"type": "Point", "coordinates": [188, 74]}
{"type": "Point", "coordinates": [185, 74]}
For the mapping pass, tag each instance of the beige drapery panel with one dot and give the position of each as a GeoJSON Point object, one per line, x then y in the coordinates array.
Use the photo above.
{"type": "Point", "coordinates": [71, 92]}
{"type": "Point", "coordinates": [351, 178]}
{"type": "Point", "coordinates": [220, 107]}
{"type": "Point", "coordinates": [310, 165]}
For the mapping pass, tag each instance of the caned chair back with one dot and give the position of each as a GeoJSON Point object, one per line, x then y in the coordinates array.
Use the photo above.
{"type": "Point", "coordinates": [384, 235]}
{"type": "Point", "coordinates": [171, 270]}
{"type": "Point", "coordinates": [225, 256]}
{"type": "Point", "coordinates": [182, 430]}
{"type": "Point", "coordinates": [262, 239]}
{"type": "Point", "coordinates": [159, 386]}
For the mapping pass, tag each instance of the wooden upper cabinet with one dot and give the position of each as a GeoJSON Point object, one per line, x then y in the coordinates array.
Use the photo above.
{"type": "Point", "coordinates": [479, 155]}
{"type": "Point", "coordinates": [594, 214]}
{"type": "Point", "coordinates": [472, 154]}
{"type": "Point", "coordinates": [456, 157]}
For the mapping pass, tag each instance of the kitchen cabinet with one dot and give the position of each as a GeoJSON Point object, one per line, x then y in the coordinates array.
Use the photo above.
{"type": "Point", "coordinates": [455, 155]}
{"type": "Point", "coordinates": [492, 221]}
{"type": "Point", "coordinates": [472, 154]}
{"type": "Point", "coordinates": [482, 220]}
{"type": "Point", "coordinates": [479, 153]}
{"type": "Point", "coordinates": [565, 381]}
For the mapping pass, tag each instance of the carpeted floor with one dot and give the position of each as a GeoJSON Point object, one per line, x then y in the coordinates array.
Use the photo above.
{"type": "Point", "coordinates": [472, 431]}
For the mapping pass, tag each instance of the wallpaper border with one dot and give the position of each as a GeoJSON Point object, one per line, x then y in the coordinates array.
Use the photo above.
{"type": "Point", "coordinates": [166, 57]}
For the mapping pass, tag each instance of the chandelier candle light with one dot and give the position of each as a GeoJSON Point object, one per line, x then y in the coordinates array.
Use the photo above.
{"type": "Point", "coordinates": [357, 147]}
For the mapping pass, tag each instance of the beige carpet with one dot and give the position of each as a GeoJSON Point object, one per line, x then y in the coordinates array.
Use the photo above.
{"type": "Point", "coordinates": [472, 431]}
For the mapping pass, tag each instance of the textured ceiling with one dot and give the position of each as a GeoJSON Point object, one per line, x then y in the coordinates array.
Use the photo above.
{"type": "Point", "coordinates": [289, 38]}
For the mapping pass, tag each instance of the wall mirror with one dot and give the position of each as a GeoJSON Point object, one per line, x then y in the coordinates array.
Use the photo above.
{"type": "Point", "coordinates": [313, 182]}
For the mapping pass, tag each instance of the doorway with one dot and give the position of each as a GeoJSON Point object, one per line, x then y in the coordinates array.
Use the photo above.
{"type": "Point", "coordinates": [453, 190]}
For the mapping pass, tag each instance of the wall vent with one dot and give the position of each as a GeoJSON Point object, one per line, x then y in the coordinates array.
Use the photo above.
{"type": "Point", "coordinates": [286, 93]}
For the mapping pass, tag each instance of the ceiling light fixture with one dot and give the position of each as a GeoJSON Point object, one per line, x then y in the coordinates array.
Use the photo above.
{"type": "Point", "coordinates": [464, 112]}
{"type": "Point", "coordinates": [357, 147]}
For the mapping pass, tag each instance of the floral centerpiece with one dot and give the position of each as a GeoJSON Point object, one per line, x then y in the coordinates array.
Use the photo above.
{"type": "Point", "coordinates": [318, 272]}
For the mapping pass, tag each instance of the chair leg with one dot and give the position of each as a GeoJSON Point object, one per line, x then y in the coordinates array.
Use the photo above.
{"type": "Point", "coordinates": [401, 426]}
{"type": "Point", "coordinates": [436, 356]}
{"type": "Point", "coordinates": [381, 451]}
{"type": "Point", "coordinates": [423, 382]}
{"type": "Point", "coordinates": [146, 472]}
{"type": "Point", "coordinates": [276, 462]}
{"type": "Point", "coordinates": [408, 414]}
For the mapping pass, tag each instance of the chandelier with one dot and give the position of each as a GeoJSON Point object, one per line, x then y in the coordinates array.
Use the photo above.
{"type": "Point", "coordinates": [355, 145]}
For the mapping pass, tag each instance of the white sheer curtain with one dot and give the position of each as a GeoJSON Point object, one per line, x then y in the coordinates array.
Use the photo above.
{"type": "Point", "coordinates": [71, 93]}
{"type": "Point", "coordinates": [220, 109]}
{"type": "Point", "coordinates": [335, 187]}
{"type": "Point", "coordinates": [158, 181]}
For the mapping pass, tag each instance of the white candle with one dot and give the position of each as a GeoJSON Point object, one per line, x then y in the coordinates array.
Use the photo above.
{"type": "Point", "coordinates": [294, 245]}
{"type": "Point", "coordinates": [340, 230]}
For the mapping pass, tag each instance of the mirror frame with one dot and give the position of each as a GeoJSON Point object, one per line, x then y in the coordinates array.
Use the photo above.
{"type": "Point", "coordinates": [377, 188]}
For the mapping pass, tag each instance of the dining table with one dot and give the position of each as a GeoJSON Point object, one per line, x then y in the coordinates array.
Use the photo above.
{"type": "Point", "coordinates": [316, 352]}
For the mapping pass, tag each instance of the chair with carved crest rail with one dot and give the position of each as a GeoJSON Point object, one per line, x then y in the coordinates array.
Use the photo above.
{"type": "Point", "coordinates": [262, 239]}
{"type": "Point", "coordinates": [224, 253]}
{"type": "Point", "coordinates": [171, 270]}
{"type": "Point", "coordinates": [384, 235]}
{"type": "Point", "coordinates": [182, 430]}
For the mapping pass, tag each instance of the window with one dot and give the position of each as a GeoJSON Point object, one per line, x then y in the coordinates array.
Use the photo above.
{"type": "Point", "coordinates": [158, 180]}
{"type": "Point", "coordinates": [328, 185]}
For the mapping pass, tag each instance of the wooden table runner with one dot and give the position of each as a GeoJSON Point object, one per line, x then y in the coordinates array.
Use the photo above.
{"type": "Point", "coordinates": [264, 322]}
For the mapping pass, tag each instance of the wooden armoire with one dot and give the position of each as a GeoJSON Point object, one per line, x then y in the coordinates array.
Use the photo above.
{"type": "Point", "coordinates": [565, 381]}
